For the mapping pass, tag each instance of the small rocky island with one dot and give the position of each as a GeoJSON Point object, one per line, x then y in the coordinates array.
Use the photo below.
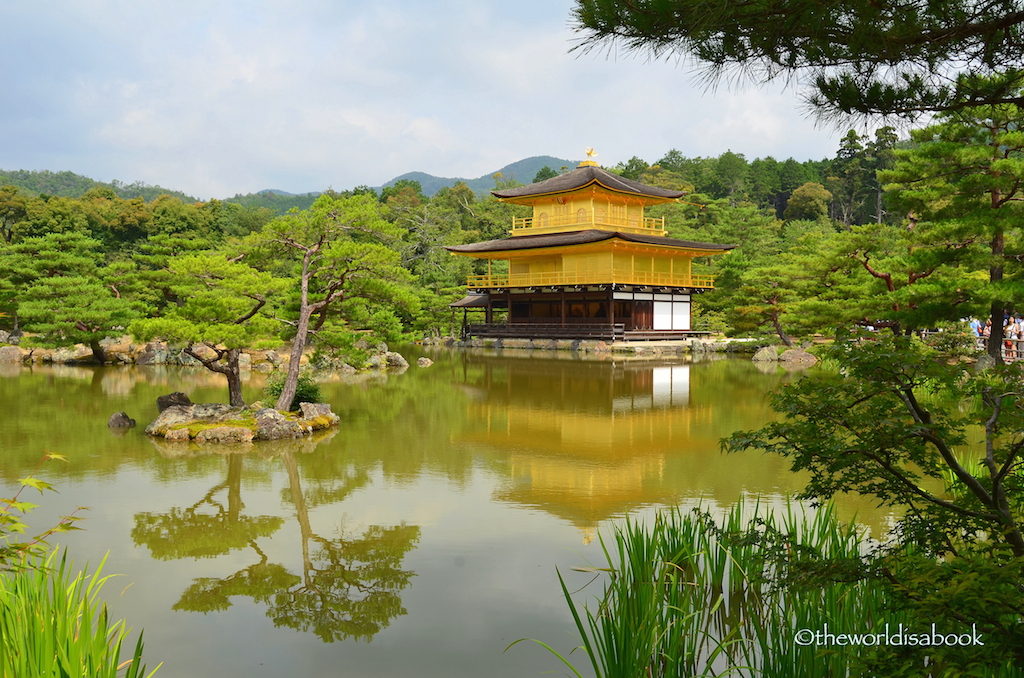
{"type": "Point", "coordinates": [181, 420]}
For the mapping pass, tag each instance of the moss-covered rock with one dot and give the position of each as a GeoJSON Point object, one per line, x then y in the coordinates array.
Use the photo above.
{"type": "Point", "coordinates": [212, 422]}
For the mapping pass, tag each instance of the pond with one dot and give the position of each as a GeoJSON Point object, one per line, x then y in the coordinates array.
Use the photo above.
{"type": "Point", "coordinates": [421, 537]}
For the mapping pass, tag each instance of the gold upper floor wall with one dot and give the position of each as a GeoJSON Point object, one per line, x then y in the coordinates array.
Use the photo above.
{"type": "Point", "coordinates": [593, 207]}
{"type": "Point", "coordinates": [596, 264]}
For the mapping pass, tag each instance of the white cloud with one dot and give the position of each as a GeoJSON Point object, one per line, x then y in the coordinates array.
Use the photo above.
{"type": "Point", "coordinates": [220, 98]}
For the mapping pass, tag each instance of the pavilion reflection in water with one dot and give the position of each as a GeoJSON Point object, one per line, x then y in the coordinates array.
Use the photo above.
{"type": "Point", "coordinates": [586, 440]}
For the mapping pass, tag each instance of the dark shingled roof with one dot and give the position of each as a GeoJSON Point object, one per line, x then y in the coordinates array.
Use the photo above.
{"type": "Point", "coordinates": [470, 301]}
{"type": "Point", "coordinates": [529, 242]}
{"type": "Point", "coordinates": [582, 177]}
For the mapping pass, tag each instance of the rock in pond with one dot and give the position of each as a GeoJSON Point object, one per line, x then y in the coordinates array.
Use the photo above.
{"type": "Point", "coordinates": [797, 358]}
{"type": "Point", "coordinates": [171, 400]}
{"type": "Point", "coordinates": [766, 354]}
{"type": "Point", "coordinates": [120, 420]}
{"type": "Point", "coordinates": [395, 359]}
{"type": "Point", "coordinates": [225, 434]}
{"type": "Point", "coordinates": [10, 354]}
{"type": "Point", "coordinates": [215, 422]}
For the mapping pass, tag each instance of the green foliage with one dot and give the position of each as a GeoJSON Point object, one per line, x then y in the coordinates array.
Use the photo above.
{"type": "Point", "coordinates": [955, 339]}
{"type": "Point", "coordinates": [892, 423]}
{"type": "Point", "coordinates": [694, 596]}
{"type": "Point", "coordinates": [71, 185]}
{"type": "Point", "coordinates": [225, 310]}
{"type": "Point", "coordinates": [54, 624]}
{"type": "Point", "coordinates": [307, 390]}
{"type": "Point", "coordinates": [57, 285]}
{"type": "Point", "coordinates": [853, 177]}
{"type": "Point", "coordinates": [544, 173]}
{"type": "Point", "coordinates": [631, 169]}
{"type": "Point", "coordinates": [15, 549]}
{"type": "Point", "coordinates": [223, 303]}
{"type": "Point", "coordinates": [809, 201]}
{"type": "Point", "coordinates": [708, 320]}
{"type": "Point", "coordinates": [274, 203]}
{"type": "Point", "coordinates": [336, 341]}
{"type": "Point", "coordinates": [403, 192]}
{"type": "Point", "coordinates": [12, 211]}
{"type": "Point", "coordinates": [340, 255]}
{"type": "Point", "coordinates": [900, 58]}
{"type": "Point", "coordinates": [962, 181]}
{"type": "Point", "coordinates": [72, 310]}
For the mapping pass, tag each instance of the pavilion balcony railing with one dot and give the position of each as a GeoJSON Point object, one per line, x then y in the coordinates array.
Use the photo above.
{"type": "Point", "coordinates": [582, 219]}
{"type": "Point", "coordinates": [617, 276]}
{"type": "Point", "coordinates": [537, 330]}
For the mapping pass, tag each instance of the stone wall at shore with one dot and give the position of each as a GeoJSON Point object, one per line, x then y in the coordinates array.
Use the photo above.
{"type": "Point", "coordinates": [124, 351]}
{"type": "Point", "coordinates": [668, 347]}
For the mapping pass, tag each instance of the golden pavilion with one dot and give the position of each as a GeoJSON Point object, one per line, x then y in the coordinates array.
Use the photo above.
{"type": "Point", "coordinates": [587, 265]}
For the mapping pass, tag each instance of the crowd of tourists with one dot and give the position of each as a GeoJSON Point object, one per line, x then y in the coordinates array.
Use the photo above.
{"type": "Point", "coordinates": [1013, 335]}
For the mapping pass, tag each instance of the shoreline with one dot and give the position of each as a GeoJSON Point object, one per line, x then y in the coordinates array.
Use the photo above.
{"type": "Point", "coordinates": [124, 351]}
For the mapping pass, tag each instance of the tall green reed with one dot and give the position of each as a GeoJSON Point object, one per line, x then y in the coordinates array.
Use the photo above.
{"type": "Point", "coordinates": [53, 623]}
{"type": "Point", "coordinates": [690, 595]}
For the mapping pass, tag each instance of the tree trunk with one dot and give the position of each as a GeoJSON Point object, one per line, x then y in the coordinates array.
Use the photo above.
{"type": "Point", "coordinates": [998, 308]}
{"type": "Point", "coordinates": [230, 371]}
{"type": "Point", "coordinates": [781, 332]}
{"type": "Point", "coordinates": [291, 382]}
{"type": "Point", "coordinates": [234, 487]}
{"type": "Point", "coordinates": [98, 354]}
{"type": "Point", "coordinates": [234, 376]}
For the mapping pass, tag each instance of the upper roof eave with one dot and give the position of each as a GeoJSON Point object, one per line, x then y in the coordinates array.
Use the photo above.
{"type": "Point", "coordinates": [581, 178]}
{"type": "Point", "coordinates": [530, 242]}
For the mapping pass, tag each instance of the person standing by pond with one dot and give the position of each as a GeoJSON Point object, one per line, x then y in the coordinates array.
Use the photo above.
{"type": "Point", "coordinates": [1012, 332]}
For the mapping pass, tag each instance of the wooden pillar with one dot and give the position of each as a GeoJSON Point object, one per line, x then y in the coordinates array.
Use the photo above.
{"type": "Point", "coordinates": [562, 297]}
{"type": "Point", "coordinates": [611, 306]}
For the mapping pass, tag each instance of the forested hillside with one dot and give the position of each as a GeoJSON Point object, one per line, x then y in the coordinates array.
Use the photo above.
{"type": "Point", "coordinates": [522, 171]}
{"type": "Point", "coordinates": [278, 202]}
{"type": "Point", "coordinates": [70, 185]}
{"type": "Point", "coordinates": [78, 268]}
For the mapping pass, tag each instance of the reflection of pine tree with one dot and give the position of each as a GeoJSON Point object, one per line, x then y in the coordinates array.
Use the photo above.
{"type": "Point", "coordinates": [259, 581]}
{"type": "Point", "coordinates": [350, 586]}
{"type": "Point", "coordinates": [192, 533]}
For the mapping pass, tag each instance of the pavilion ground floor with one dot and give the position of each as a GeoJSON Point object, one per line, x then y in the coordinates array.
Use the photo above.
{"type": "Point", "coordinates": [608, 312]}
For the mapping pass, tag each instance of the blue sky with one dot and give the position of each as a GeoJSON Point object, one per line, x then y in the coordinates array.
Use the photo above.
{"type": "Point", "coordinates": [218, 97]}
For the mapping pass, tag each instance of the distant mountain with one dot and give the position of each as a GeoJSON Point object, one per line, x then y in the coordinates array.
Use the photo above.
{"type": "Point", "coordinates": [273, 199]}
{"type": "Point", "coordinates": [522, 171]}
{"type": "Point", "coordinates": [70, 185]}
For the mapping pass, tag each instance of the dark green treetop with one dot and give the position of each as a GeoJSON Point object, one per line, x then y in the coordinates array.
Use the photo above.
{"type": "Point", "coordinates": [900, 58]}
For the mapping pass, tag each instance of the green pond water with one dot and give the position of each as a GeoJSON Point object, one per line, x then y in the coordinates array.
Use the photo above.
{"type": "Point", "coordinates": [419, 538]}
